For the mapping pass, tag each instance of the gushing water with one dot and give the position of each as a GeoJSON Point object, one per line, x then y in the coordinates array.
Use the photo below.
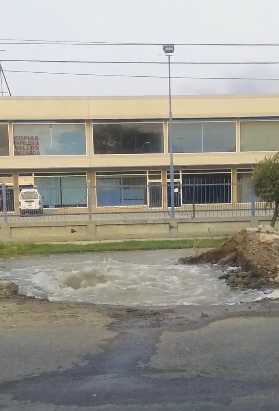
{"type": "Point", "coordinates": [143, 278]}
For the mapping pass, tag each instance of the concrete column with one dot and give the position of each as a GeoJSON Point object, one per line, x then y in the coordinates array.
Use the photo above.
{"type": "Point", "coordinates": [11, 139]}
{"type": "Point", "coordinates": [16, 191]}
{"type": "Point", "coordinates": [165, 136]}
{"type": "Point", "coordinates": [234, 186]}
{"type": "Point", "coordinates": [89, 137]}
{"type": "Point", "coordinates": [164, 190]}
{"type": "Point", "coordinates": [91, 177]}
{"type": "Point", "coordinates": [237, 136]}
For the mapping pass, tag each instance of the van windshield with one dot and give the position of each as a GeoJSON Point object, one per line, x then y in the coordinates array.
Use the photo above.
{"type": "Point", "coordinates": [29, 195]}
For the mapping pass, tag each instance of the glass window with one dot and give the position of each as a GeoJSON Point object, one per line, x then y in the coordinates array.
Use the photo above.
{"type": "Point", "coordinates": [45, 139]}
{"type": "Point", "coordinates": [31, 139]}
{"type": "Point", "coordinates": [259, 136]}
{"type": "Point", "coordinates": [121, 191]}
{"type": "Point", "coordinates": [244, 187]}
{"type": "Point", "coordinates": [187, 137]}
{"type": "Point", "coordinates": [4, 140]}
{"type": "Point", "coordinates": [29, 195]}
{"type": "Point", "coordinates": [219, 137]}
{"type": "Point", "coordinates": [68, 139]}
{"type": "Point", "coordinates": [155, 195]}
{"type": "Point", "coordinates": [128, 138]}
{"type": "Point", "coordinates": [68, 191]}
{"type": "Point", "coordinates": [204, 137]}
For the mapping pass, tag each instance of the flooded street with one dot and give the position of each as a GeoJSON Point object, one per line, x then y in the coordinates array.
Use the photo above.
{"type": "Point", "coordinates": [140, 278]}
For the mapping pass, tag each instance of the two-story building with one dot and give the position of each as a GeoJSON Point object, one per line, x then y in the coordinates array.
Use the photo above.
{"type": "Point", "coordinates": [119, 147]}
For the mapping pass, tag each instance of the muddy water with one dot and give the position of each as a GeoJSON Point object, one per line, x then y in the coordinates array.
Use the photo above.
{"type": "Point", "coordinates": [128, 278]}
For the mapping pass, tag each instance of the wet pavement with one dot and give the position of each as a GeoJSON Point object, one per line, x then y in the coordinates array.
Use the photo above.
{"type": "Point", "coordinates": [185, 358]}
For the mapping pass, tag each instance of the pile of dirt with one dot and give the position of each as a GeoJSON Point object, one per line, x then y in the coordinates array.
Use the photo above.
{"type": "Point", "coordinates": [7, 289]}
{"type": "Point", "coordinates": [250, 259]}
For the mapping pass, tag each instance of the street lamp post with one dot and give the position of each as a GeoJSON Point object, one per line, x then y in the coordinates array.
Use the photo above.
{"type": "Point", "coordinates": [169, 50]}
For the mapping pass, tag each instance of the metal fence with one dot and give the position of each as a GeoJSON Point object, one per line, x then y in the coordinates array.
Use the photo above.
{"type": "Point", "coordinates": [104, 202]}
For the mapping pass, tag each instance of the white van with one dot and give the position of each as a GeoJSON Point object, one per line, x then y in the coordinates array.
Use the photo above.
{"type": "Point", "coordinates": [30, 201]}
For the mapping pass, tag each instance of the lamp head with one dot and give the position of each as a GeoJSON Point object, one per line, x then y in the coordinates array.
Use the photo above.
{"type": "Point", "coordinates": [168, 49]}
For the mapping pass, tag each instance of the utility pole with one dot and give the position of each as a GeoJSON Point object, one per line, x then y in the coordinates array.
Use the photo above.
{"type": "Point", "coordinates": [169, 50]}
{"type": "Point", "coordinates": [3, 80]}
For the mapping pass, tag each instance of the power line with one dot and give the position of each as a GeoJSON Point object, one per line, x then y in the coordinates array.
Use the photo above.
{"type": "Point", "coordinates": [12, 41]}
{"type": "Point", "coordinates": [143, 76]}
{"type": "Point", "coordinates": [143, 62]}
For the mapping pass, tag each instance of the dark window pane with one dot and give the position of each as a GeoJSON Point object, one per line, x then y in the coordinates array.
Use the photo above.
{"type": "Point", "coordinates": [219, 137]}
{"type": "Point", "coordinates": [206, 189]}
{"type": "Point", "coordinates": [155, 195]}
{"type": "Point", "coordinates": [4, 140]}
{"type": "Point", "coordinates": [177, 194]}
{"type": "Point", "coordinates": [128, 138]}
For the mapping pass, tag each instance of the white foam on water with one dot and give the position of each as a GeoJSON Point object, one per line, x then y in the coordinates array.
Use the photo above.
{"type": "Point", "coordinates": [134, 278]}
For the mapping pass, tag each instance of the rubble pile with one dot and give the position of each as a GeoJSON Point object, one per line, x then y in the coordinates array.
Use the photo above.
{"type": "Point", "coordinates": [249, 260]}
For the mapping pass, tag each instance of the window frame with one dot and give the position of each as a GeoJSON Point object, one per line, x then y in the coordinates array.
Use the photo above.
{"type": "Point", "coordinates": [201, 122]}
{"type": "Point", "coordinates": [161, 122]}
{"type": "Point", "coordinates": [256, 120]}
{"type": "Point", "coordinates": [8, 128]}
{"type": "Point", "coordinates": [50, 124]}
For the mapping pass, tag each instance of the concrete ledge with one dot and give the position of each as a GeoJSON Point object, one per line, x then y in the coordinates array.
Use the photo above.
{"type": "Point", "coordinates": [126, 229]}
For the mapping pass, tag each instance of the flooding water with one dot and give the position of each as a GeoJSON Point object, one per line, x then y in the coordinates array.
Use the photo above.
{"type": "Point", "coordinates": [129, 278]}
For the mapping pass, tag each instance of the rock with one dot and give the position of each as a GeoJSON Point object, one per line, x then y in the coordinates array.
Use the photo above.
{"type": "Point", "coordinates": [224, 276]}
{"type": "Point", "coordinates": [228, 259]}
{"type": "Point", "coordinates": [268, 238]}
{"type": "Point", "coordinates": [7, 289]}
{"type": "Point", "coordinates": [243, 275]}
{"type": "Point", "coordinates": [233, 270]}
{"type": "Point", "coordinates": [276, 279]}
{"type": "Point", "coordinates": [267, 229]}
{"type": "Point", "coordinates": [252, 230]}
{"type": "Point", "coordinates": [268, 291]}
{"type": "Point", "coordinates": [258, 284]}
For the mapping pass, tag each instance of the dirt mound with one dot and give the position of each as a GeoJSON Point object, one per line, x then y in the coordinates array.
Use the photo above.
{"type": "Point", "coordinates": [250, 259]}
{"type": "Point", "coordinates": [7, 289]}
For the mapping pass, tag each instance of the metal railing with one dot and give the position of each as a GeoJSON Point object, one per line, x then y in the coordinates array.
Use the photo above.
{"type": "Point", "coordinates": [192, 200]}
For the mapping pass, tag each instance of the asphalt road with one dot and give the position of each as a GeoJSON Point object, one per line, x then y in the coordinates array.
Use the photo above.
{"type": "Point", "coordinates": [186, 359]}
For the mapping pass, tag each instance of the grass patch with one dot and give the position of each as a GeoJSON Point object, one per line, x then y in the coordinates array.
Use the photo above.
{"type": "Point", "coordinates": [25, 249]}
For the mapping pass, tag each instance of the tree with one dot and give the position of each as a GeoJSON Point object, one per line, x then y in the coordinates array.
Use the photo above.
{"type": "Point", "coordinates": [265, 182]}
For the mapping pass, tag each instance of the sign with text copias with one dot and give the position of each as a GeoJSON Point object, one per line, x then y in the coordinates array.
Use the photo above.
{"type": "Point", "coordinates": [26, 145]}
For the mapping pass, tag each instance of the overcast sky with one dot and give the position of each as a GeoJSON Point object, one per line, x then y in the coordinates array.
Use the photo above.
{"type": "Point", "coordinates": [155, 21]}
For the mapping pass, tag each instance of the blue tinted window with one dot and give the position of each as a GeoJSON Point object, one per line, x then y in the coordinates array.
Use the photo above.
{"type": "Point", "coordinates": [44, 139]}
{"type": "Point", "coordinates": [68, 139]}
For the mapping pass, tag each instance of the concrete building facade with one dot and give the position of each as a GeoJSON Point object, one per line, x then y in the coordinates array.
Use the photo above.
{"type": "Point", "coordinates": [119, 147]}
